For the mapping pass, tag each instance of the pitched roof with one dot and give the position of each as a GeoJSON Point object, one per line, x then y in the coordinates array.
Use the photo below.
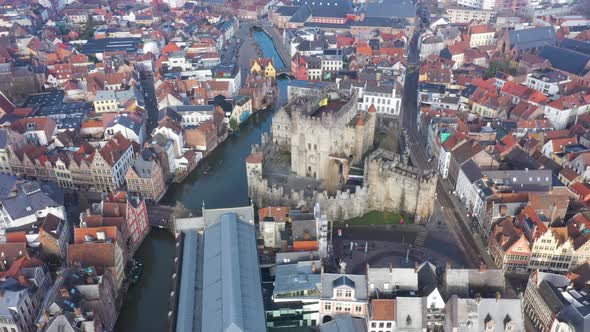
{"type": "Point", "coordinates": [114, 149]}
{"type": "Point", "coordinates": [383, 309]}
{"type": "Point", "coordinates": [5, 104]}
{"type": "Point", "coordinates": [526, 39]}
{"type": "Point", "coordinates": [97, 254]}
{"type": "Point", "coordinates": [567, 60]}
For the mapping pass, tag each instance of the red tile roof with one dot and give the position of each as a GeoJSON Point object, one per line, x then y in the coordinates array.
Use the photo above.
{"type": "Point", "coordinates": [115, 148]}
{"type": "Point", "coordinates": [81, 232]}
{"type": "Point", "coordinates": [383, 309]}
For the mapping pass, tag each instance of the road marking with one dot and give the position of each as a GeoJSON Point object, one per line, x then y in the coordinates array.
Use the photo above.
{"type": "Point", "coordinates": [421, 238]}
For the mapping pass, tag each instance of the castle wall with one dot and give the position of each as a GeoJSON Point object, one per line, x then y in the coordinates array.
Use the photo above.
{"type": "Point", "coordinates": [341, 206]}
{"type": "Point", "coordinates": [395, 186]}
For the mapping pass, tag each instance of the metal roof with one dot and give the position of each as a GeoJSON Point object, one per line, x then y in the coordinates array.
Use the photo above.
{"type": "Point", "coordinates": [358, 282]}
{"type": "Point", "coordinates": [232, 291]}
{"type": "Point", "coordinates": [296, 277]}
{"type": "Point", "coordinates": [188, 318]}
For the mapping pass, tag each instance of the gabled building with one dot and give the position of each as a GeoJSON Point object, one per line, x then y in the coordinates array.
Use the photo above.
{"type": "Point", "coordinates": [131, 126]}
{"type": "Point", "coordinates": [145, 176]}
{"type": "Point", "coordinates": [24, 287]}
{"type": "Point", "coordinates": [126, 212]}
{"type": "Point", "coordinates": [343, 294]}
{"type": "Point", "coordinates": [100, 248]}
{"type": "Point", "coordinates": [484, 314]}
{"type": "Point", "coordinates": [509, 247]}
{"type": "Point", "coordinates": [54, 235]}
{"type": "Point", "coordinates": [264, 67]}
{"type": "Point", "coordinates": [110, 163]}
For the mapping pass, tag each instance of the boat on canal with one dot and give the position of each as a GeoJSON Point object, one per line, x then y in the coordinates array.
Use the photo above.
{"type": "Point", "coordinates": [136, 270]}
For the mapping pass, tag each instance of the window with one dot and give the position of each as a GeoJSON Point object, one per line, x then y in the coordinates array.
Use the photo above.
{"type": "Point", "coordinates": [358, 308]}
{"type": "Point", "coordinates": [328, 306]}
{"type": "Point", "coordinates": [348, 293]}
{"type": "Point", "coordinates": [339, 293]}
{"type": "Point", "coordinates": [338, 306]}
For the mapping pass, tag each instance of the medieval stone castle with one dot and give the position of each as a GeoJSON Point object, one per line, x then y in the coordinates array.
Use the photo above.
{"type": "Point", "coordinates": [325, 136]}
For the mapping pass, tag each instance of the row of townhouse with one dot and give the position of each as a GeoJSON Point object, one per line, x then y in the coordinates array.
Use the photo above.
{"type": "Point", "coordinates": [390, 299]}
{"type": "Point", "coordinates": [105, 168]}
{"type": "Point", "coordinates": [525, 244]}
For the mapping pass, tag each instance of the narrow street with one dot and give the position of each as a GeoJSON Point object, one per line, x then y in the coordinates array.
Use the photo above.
{"type": "Point", "coordinates": [447, 207]}
{"type": "Point", "coordinates": [151, 103]}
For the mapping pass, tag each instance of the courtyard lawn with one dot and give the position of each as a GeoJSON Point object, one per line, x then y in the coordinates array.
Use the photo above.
{"type": "Point", "coordinates": [379, 218]}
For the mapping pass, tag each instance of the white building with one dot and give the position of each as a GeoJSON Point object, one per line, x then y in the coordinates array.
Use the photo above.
{"type": "Point", "coordinates": [477, 4]}
{"type": "Point", "coordinates": [129, 125]}
{"type": "Point", "coordinates": [389, 280]}
{"type": "Point", "coordinates": [28, 205]}
{"type": "Point", "coordinates": [381, 316]}
{"type": "Point", "coordinates": [481, 35]}
{"type": "Point", "coordinates": [105, 101]}
{"type": "Point", "coordinates": [466, 15]}
{"type": "Point", "coordinates": [550, 82]}
{"type": "Point", "coordinates": [332, 63]}
{"type": "Point", "coordinates": [383, 97]}
{"type": "Point", "coordinates": [194, 115]}
{"type": "Point", "coordinates": [342, 294]}
{"type": "Point", "coordinates": [430, 44]}
{"type": "Point", "coordinates": [493, 315]}
{"type": "Point", "coordinates": [554, 251]}
{"type": "Point", "coordinates": [174, 3]}
{"type": "Point", "coordinates": [565, 110]}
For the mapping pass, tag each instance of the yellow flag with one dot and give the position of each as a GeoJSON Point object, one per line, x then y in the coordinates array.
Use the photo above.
{"type": "Point", "coordinates": [324, 102]}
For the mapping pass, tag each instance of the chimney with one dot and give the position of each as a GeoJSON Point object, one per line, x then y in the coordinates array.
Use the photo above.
{"type": "Point", "coordinates": [390, 268]}
{"type": "Point", "coordinates": [483, 267]}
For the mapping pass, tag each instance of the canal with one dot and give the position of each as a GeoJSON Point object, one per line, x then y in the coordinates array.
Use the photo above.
{"type": "Point", "coordinates": [219, 181]}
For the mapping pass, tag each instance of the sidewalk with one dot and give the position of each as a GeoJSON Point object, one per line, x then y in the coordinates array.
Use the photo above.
{"type": "Point", "coordinates": [481, 246]}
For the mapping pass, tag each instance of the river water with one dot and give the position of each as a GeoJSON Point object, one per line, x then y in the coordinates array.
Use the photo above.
{"type": "Point", "coordinates": [219, 181]}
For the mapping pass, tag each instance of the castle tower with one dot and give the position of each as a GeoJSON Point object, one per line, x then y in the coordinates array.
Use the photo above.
{"type": "Point", "coordinates": [370, 127]}
{"type": "Point", "coordinates": [359, 133]}
{"type": "Point", "coordinates": [253, 166]}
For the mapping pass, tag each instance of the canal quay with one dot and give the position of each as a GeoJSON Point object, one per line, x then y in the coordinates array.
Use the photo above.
{"type": "Point", "coordinates": [219, 181]}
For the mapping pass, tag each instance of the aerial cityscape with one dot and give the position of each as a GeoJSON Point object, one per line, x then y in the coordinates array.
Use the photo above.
{"type": "Point", "coordinates": [295, 165]}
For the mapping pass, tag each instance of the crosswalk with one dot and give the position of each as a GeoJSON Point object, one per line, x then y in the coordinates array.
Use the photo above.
{"type": "Point", "coordinates": [421, 238]}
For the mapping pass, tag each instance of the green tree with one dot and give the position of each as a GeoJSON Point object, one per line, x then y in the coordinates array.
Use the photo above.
{"type": "Point", "coordinates": [233, 124]}
{"type": "Point", "coordinates": [89, 28]}
{"type": "Point", "coordinates": [496, 66]}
